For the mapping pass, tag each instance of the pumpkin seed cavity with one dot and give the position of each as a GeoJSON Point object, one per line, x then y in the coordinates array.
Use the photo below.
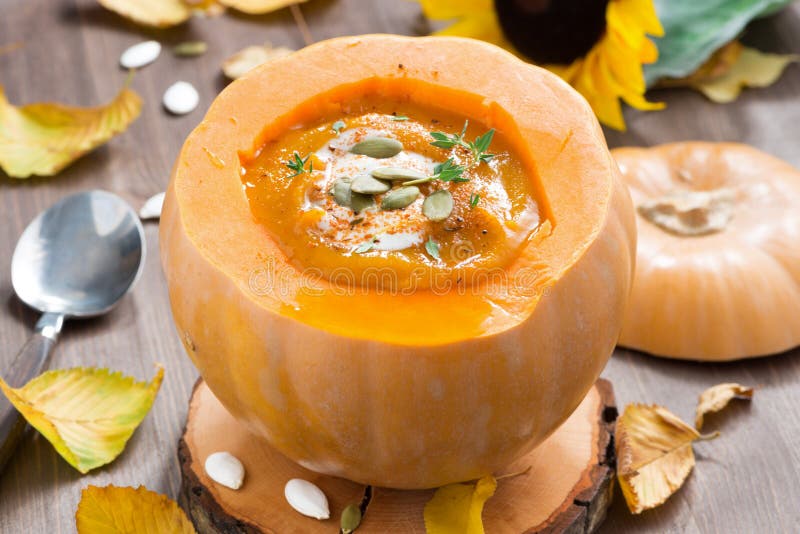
{"type": "Point", "coordinates": [377, 147]}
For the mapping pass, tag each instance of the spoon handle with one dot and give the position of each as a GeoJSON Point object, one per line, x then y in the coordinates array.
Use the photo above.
{"type": "Point", "coordinates": [28, 363]}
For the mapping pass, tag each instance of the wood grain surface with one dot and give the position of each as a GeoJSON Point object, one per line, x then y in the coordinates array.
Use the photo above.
{"type": "Point", "coordinates": [746, 481]}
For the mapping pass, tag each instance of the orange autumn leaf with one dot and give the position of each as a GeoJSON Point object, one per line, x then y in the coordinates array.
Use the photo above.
{"type": "Point", "coordinates": [125, 510]}
{"type": "Point", "coordinates": [654, 455]}
{"type": "Point", "coordinates": [717, 397]}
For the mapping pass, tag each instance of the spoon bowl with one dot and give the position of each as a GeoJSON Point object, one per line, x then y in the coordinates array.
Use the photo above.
{"type": "Point", "coordinates": [79, 257]}
{"type": "Point", "coordinates": [76, 259]}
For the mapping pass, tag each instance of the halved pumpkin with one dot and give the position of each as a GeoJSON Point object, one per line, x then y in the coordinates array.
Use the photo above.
{"type": "Point", "coordinates": [718, 262]}
{"type": "Point", "coordinates": [408, 390]}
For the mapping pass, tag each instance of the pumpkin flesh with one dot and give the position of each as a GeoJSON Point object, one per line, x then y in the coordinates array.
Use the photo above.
{"type": "Point", "coordinates": [401, 390]}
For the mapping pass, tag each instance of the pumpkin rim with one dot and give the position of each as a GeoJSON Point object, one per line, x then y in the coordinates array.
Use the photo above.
{"type": "Point", "coordinates": [206, 176]}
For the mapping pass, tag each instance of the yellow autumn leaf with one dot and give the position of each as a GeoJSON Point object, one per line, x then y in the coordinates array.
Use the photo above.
{"type": "Point", "coordinates": [251, 57]}
{"type": "Point", "coordinates": [116, 510]}
{"type": "Point", "coordinates": [258, 7]}
{"type": "Point", "coordinates": [654, 454]}
{"type": "Point", "coordinates": [717, 65]}
{"type": "Point", "coordinates": [44, 138]}
{"type": "Point", "coordinates": [87, 414]}
{"type": "Point", "coordinates": [751, 69]}
{"type": "Point", "coordinates": [457, 508]}
{"type": "Point", "coordinates": [717, 397]}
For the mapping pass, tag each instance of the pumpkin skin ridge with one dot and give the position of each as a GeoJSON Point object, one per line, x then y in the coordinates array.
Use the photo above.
{"type": "Point", "coordinates": [736, 331]}
{"type": "Point", "coordinates": [242, 353]}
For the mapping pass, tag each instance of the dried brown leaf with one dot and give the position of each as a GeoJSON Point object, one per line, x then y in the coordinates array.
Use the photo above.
{"type": "Point", "coordinates": [717, 397]}
{"type": "Point", "coordinates": [654, 455]}
{"type": "Point", "coordinates": [251, 57]}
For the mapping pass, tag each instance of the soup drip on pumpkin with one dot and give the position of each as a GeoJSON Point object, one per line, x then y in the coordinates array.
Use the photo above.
{"type": "Point", "coordinates": [389, 193]}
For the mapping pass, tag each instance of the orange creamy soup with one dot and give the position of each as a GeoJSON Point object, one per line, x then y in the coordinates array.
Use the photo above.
{"type": "Point", "coordinates": [379, 184]}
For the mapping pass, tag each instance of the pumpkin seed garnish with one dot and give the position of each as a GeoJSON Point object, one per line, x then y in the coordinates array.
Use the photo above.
{"type": "Point", "coordinates": [400, 198]}
{"type": "Point", "coordinates": [396, 174]}
{"type": "Point", "coordinates": [368, 185]}
{"type": "Point", "coordinates": [366, 246]}
{"type": "Point", "coordinates": [432, 247]}
{"type": "Point", "coordinates": [359, 202]}
{"type": "Point", "coordinates": [399, 118]}
{"type": "Point", "coordinates": [338, 126]}
{"type": "Point", "coordinates": [438, 206]}
{"type": "Point", "coordinates": [346, 197]}
{"type": "Point", "coordinates": [377, 147]}
{"type": "Point", "coordinates": [351, 518]}
{"type": "Point", "coordinates": [341, 191]}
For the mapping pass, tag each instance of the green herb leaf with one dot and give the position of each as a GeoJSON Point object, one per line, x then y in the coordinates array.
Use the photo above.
{"type": "Point", "coordinates": [338, 126]}
{"type": "Point", "coordinates": [481, 145]}
{"type": "Point", "coordinates": [444, 140]}
{"type": "Point", "coordinates": [474, 199]}
{"type": "Point", "coordinates": [449, 171]}
{"type": "Point", "coordinates": [477, 147]}
{"type": "Point", "coordinates": [399, 118]}
{"type": "Point", "coordinates": [432, 247]}
{"type": "Point", "coordinates": [297, 164]}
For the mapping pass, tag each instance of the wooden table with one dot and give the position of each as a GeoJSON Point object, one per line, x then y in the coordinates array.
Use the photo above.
{"type": "Point", "coordinates": [746, 481]}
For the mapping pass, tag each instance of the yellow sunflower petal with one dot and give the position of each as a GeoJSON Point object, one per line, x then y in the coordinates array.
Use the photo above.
{"type": "Point", "coordinates": [598, 93]}
{"type": "Point", "coordinates": [605, 79]}
{"type": "Point", "coordinates": [452, 9]}
{"type": "Point", "coordinates": [484, 27]}
{"type": "Point", "coordinates": [643, 14]}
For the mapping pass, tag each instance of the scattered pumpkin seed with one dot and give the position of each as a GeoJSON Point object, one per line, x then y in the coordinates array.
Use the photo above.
{"type": "Point", "coordinates": [351, 518]}
{"type": "Point", "coordinates": [368, 185]}
{"type": "Point", "coordinates": [139, 55]}
{"type": "Point", "coordinates": [400, 198]}
{"type": "Point", "coordinates": [396, 173]}
{"type": "Point", "coordinates": [377, 147]}
{"type": "Point", "coordinates": [190, 48]}
{"type": "Point", "coordinates": [438, 205]}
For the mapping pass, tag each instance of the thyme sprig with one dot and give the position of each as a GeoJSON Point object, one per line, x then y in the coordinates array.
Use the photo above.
{"type": "Point", "coordinates": [478, 147]}
{"type": "Point", "coordinates": [298, 164]}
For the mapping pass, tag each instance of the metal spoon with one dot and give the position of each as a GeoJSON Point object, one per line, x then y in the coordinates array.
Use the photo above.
{"type": "Point", "coordinates": [77, 259]}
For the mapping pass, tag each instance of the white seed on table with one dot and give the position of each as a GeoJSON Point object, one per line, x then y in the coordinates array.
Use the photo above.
{"type": "Point", "coordinates": [226, 469]}
{"type": "Point", "coordinates": [307, 498]}
{"type": "Point", "coordinates": [152, 207]}
{"type": "Point", "coordinates": [181, 98]}
{"type": "Point", "coordinates": [139, 55]}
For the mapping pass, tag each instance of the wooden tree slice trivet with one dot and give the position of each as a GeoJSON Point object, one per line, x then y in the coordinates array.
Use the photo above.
{"type": "Point", "coordinates": [567, 489]}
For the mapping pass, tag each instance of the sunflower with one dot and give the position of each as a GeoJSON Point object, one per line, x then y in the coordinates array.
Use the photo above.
{"type": "Point", "coordinates": [597, 46]}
